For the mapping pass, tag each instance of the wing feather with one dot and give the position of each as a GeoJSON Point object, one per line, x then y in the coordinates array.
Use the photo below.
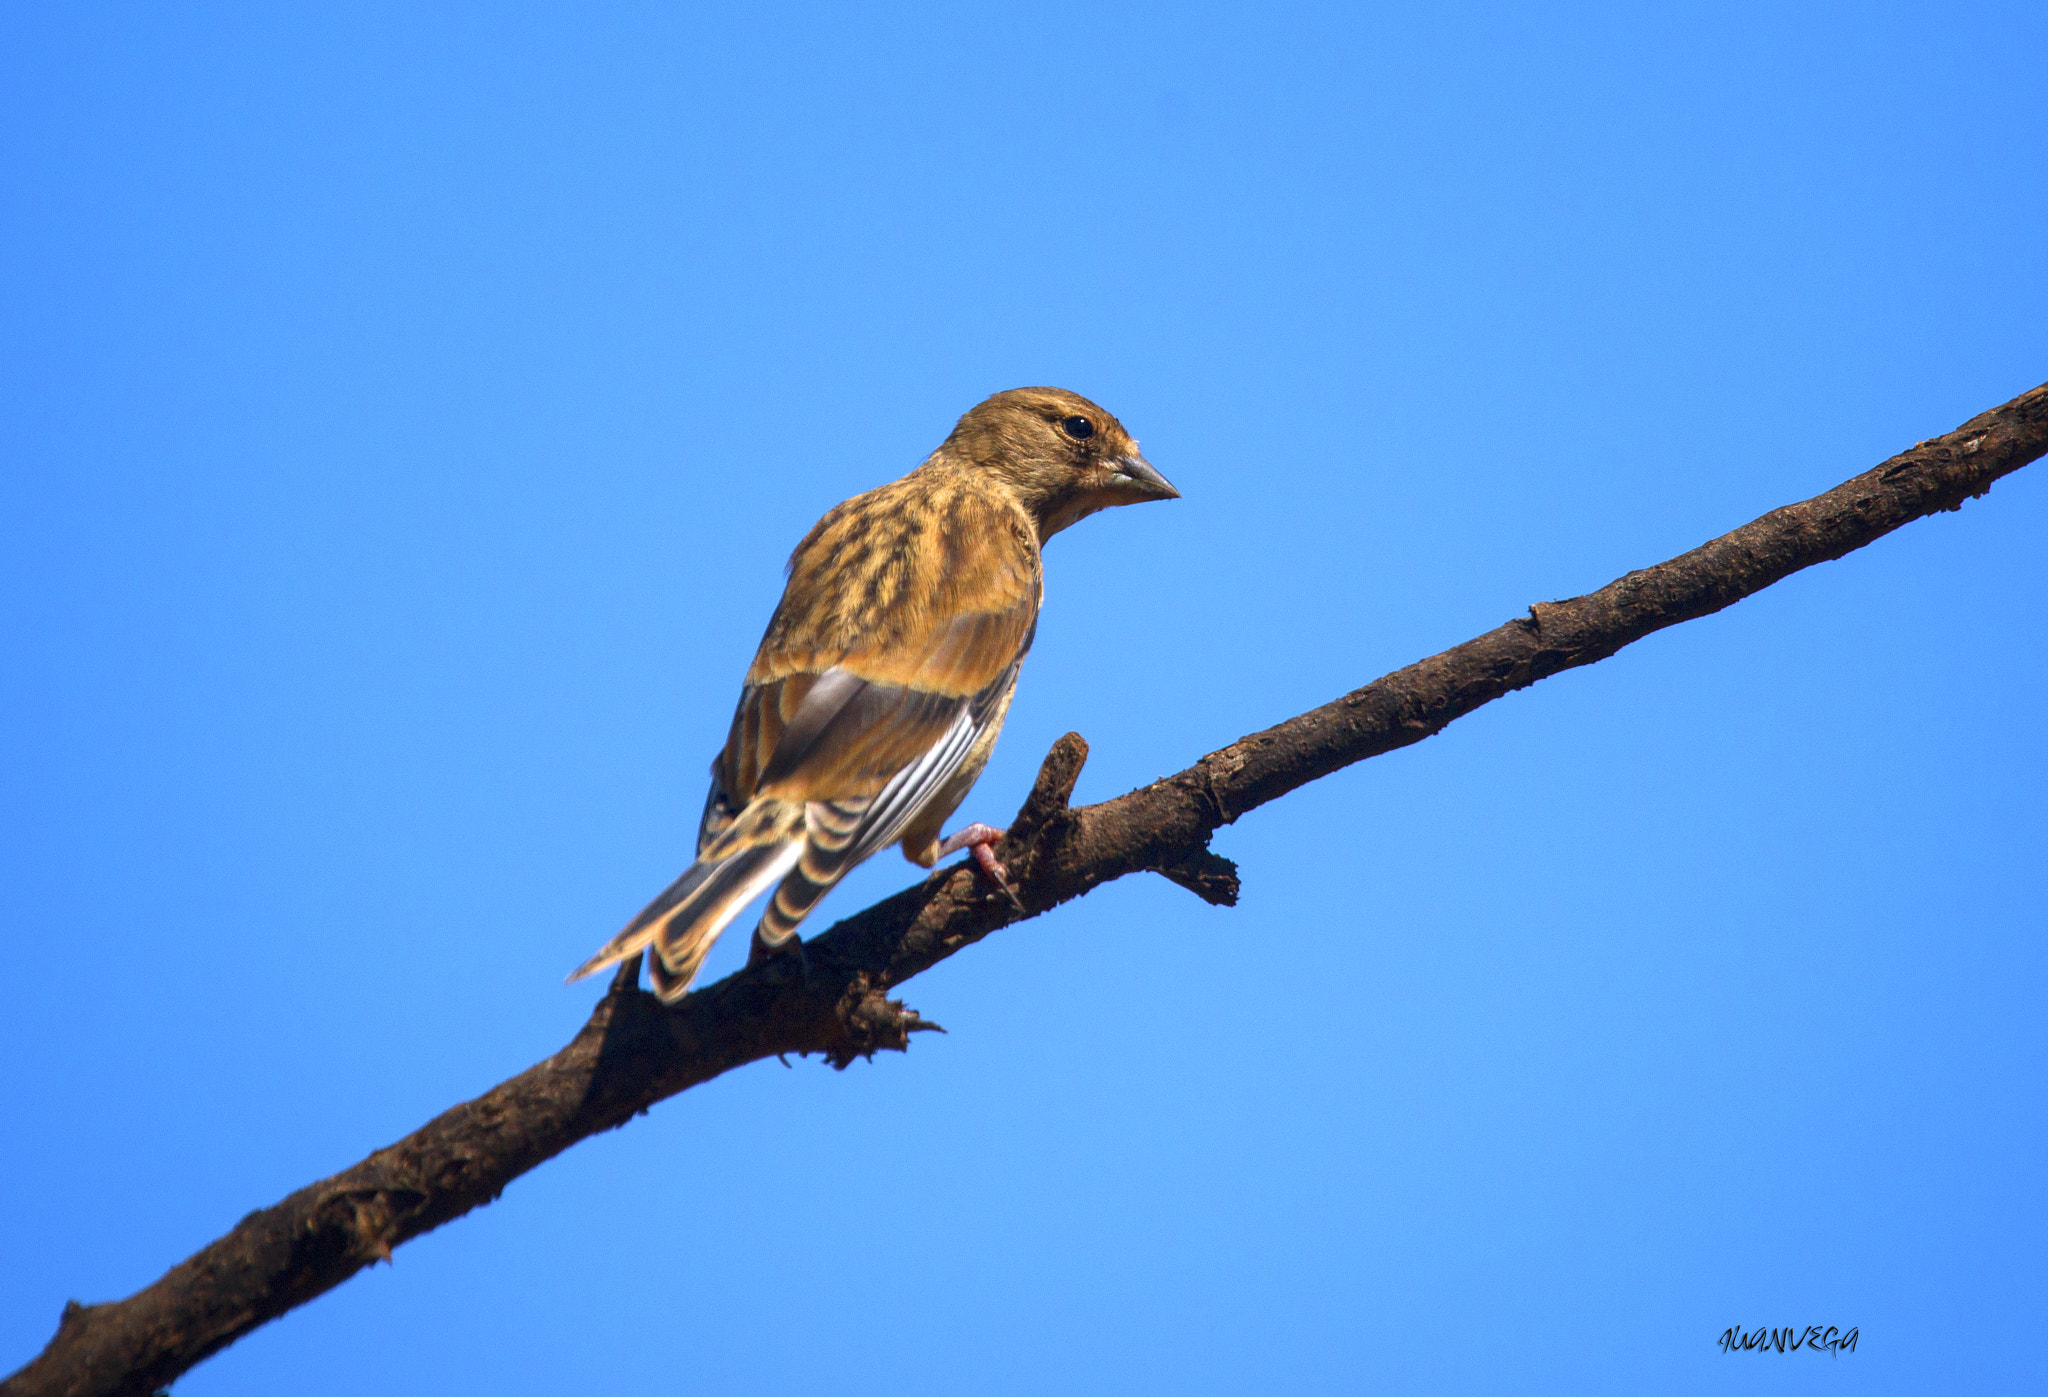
{"type": "Point", "coordinates": [896, 645]}
{"type": "Point", "coordinates": [874, 697]}
{"type": "Point", "coordinates": [840, 834]}
{"type": "Point", "coordinates": [904, 606]}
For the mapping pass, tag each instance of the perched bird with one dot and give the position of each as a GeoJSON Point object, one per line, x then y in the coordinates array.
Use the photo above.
{"type": "Point", "coordinates": [882, 683]}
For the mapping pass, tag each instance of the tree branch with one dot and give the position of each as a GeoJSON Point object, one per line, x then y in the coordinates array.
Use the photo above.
{"type": "Point", "coordinates": [634, 1052]}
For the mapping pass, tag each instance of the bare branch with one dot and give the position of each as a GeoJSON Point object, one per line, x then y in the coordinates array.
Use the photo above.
{"type": "Point", "coordinates": [634, 1052]}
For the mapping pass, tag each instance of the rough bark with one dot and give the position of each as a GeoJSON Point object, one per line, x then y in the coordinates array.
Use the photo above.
{"type": "Point", "coordinates": [634, 1052]}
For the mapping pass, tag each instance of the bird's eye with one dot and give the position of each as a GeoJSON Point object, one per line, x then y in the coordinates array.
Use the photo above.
{"type": "Point", "coordinates": [1079, 428]}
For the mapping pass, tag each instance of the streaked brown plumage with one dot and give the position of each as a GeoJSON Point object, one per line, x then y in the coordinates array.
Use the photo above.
{"type": "Point", "coordinates": [882, 683]}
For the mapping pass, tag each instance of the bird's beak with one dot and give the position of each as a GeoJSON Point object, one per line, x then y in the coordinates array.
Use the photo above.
{"type": "Point", "coordinates": [1135, 474]}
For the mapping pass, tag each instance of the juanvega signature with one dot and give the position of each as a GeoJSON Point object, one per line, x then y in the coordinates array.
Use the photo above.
{"type": "Point", "coordinates": [1835, 1341]}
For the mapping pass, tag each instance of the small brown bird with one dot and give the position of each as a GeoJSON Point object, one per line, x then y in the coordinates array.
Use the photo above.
{"type": "Point", "coordinates": [882, 683]}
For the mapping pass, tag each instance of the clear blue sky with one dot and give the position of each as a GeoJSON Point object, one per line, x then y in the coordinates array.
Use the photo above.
{"type": "Point", "coordinates": [405, 413]}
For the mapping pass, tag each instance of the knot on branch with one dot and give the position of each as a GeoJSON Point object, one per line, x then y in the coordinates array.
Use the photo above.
{"type": "Point", "coordinates": [1205, 873]}
{"type": "Point", "coordinates": [1046, 808]}
{"type": "Point", "coordinates": [870, 1021]}
{"type": "Point", "coordinates": [1042, 821]}
{"type": "Point", "coordinates": [1533, 622]}
{"type": "Point", "coordinates": [364, 1223]}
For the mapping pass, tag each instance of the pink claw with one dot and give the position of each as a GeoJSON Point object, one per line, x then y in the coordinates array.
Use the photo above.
{"type": "Point", "coordinates": [981, 839]}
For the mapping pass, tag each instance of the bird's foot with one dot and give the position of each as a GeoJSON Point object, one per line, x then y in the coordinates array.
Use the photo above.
{"type": "Point", "coordinates": [981, 840]}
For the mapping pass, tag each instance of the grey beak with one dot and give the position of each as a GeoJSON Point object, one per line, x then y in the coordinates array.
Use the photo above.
{"type": "Point", "coordinates": [1138, 471]}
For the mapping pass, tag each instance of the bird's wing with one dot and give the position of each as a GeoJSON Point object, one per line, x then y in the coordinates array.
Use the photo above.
{"type": "Point", "coordinates": [900, 634]}
{"type": "Point", "coordinates": [833, 766]}
{"type": "Point", "coordinates": [720, 809]}
{"type": "Point", "coordinates": [908, 612]}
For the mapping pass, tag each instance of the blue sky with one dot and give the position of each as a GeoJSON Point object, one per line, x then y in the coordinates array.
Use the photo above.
{"type": "Point", "coordinates": [405, 412]}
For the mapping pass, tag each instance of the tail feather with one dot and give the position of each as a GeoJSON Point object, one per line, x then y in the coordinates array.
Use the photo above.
{"type": "Point", "coordinates": [678, 927]}
{"type": "Point", "coordinates": [837, 835]}
{"type": "Point", "coordinates": [792, 902]}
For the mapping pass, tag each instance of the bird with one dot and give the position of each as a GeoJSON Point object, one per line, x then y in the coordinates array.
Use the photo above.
{"type": "Point", "coordinates": [882, 682]}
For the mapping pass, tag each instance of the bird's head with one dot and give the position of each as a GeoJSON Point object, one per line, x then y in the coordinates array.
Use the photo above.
{"type": "Point", "coordinates": [1061, 455]}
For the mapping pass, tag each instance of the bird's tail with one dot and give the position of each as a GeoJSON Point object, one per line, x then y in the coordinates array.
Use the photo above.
{"type": "Point", "coordinates": [679, 926]}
